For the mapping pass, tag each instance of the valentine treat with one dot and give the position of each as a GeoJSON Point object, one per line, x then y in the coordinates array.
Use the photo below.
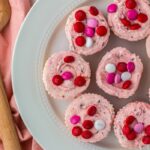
{"type": "Point", "coordinates": [119, 73]}
{"type": "Point", "coordinates": [87, 30]}
{"type": "Point", "coordinates": [89, 118]}
{"type": "Point", "coordinates": [66, 75]}
{"type": "Point", "coordinates": [130, 19]}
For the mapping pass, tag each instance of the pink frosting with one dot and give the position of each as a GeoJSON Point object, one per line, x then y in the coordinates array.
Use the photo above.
{"type": "Point", "coordinates": [120, 30]}
{"type": "Point", "coordinates": [116, 55]}
{"type": "Point", "coordinates": [148, 46]}
{"type": "Point", "coordinates": [100, 42]}
{"type": "Point", "coordinates": [80, 106]}
{"type": "Point", "coordinates": [56, 65]}
{"type": "Point", "coordinates": [141, 111]}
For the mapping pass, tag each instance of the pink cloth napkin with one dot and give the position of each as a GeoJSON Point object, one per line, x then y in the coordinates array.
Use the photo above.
{"type": "Point", "coordinates": [7, 40]}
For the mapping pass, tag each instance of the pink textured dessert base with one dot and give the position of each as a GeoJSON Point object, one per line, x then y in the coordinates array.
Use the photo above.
{"type": "Point", "coordinates": [66, 75]}
{"type": "Point", "coordinates": [111, 83]}
{"type": "Point", "coordinates": [96, 116]}
{"type": "Point", "coordinates": [140, 112]}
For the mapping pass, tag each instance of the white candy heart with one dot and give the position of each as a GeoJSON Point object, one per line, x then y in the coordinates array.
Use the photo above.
{"type": "Point", "coordinates": [99, 124]}
{"type": "Point", "coordinates": [126, 76]}
{"type": "Point", "coordinates": [110, 68]}
{"type": "Point", "coordinates": [89, 42]}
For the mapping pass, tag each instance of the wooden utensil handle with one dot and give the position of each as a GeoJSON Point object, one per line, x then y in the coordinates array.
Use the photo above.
{"type": "Point", "coordinates": [7, 130]}
{"type": "Point", "coordinates": [5, 13]}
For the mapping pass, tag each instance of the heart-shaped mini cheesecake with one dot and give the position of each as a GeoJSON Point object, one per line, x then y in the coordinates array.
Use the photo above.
{"type": "Point", "coordinates": [89, 118]}
{"type": "Point", "coordinates": [119, 73]}
{"type": "Point", "coordinates": [87, 30]}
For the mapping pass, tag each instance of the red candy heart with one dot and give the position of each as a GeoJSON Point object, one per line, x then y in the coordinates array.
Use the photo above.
{"type": "Point", "coordinates": [130, 4]}
{"type": "Point", "coordinates": [126, 130]}
{"type": "Point", "coordinates": [101, 30]}
{"type": "Point", "coordinates": [87, 134]}
{"type": "Point", "coordinates": [126, 84]}
{"type": "Point", "coordinates": [77, 131]}
{"type": "Point", "coordinates": [94, 11]}
{"type": "Point", "coordinates": [147, 130]}
{"type": "Point", "coordinates": [131, 136]}
{"type": "Point", "coordinates": [80, 41]}
{"type": "Point", "coordinates": [88, 124]}
{"type": "Point", "coordinates": [135, 26]}
{"type": "Point", "coordinates": [80, 15]}
{"type": "Point", "coordinates": [142, 18]}
{"type": "Point", "coordinates": [69, 59]}
{"type": "Point", "coordinates": [129, 120]}
{"type": "Point", "coordinates": [79, 27]}
{"type": "Point", "coordinates": [57, 80]}
{"type": "Point", "coordinates": [122, 66]}
{"type": "Point", "coordinates": [92, 111]}
{"type": "Point", "coordinates": [125, 22]}
{"type": "Point", "coordinates": [79, 81]}
{"type": "Point", "coordinates": [146, 139]}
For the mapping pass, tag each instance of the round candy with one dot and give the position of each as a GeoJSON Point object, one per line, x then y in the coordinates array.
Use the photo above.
{"type": "Point", "coordinates": [80, 41]}
{"type": "Point", "coordinates": [92, 111]}
{"type": "Point", "coordinates": [88, 124]}
{"type": "Point", "coordinates": [142, 18]}
{"type": "Point", "coordinates": [131, 136]}
{"type": "Point", "coordinates": [126, 84]}
{"type": "Point", "coordinates": [79, 27]}
{"type": "Point", "coordinates": [57, 80]}
{"type": "Point", "coordinates": [79, 81]}
{"type": "Point", "coordinates": [146, 140]}
{"type": "Point", "coordinates": [94, 11]}
{"type": "Point", "coordinates": [147, 130]}
{"type": "Point", "coordinates": [132, 14]}
{"type": "Point", "coordinates": [67, 75]}
{"type": "Point", "coordinates": [91, 22]}
{"type": "Point", "coordinates": [126, 76]}
{"type": "Point", "coordinates": [117, 78]}
{"type": "Point", "coordinates": [99, 125]}
{"type": "Point", "coordinates": [69, 59]}
{"type": "Point", "coordinates": [110, 68]}
{"type": "Point", "coordinates": [139, 127]}
{"type": "Point", "coordinates": [112, 8]}
{"type": "Point", "coordinates": [87, 134]}
{"type": "Point", "coordinates": [75, 119]}
{"type": "Point", "coordinates": [135, 26]}
{"type": "Point", "coordinates": [76, 131]}
{"type": "Point", "coordinates": [122, 66]}
{"type": "Point", "coordinates": [131, 66]}
{"type": "Point", "coordinates": [80, 15]}
{"type": "Point", "coordinates": [89, 31]}
{"type": "Point", "coordinates": [101, 30]}
{"type": "Point", "coordinates": [130, 4]}
{"type": "Point", "coordinates": [125, 22]}
{"type": "Point", "coordinates": [110, 78]}
{"type": "Point", "coordinates": [129, 120]}
{"type": "Point", "coordinates": [89, 42]}
{"type": "Point", "coordinates": [126, 130]}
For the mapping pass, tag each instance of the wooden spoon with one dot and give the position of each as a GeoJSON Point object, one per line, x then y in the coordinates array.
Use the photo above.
{"type": "Point", "coordinates": [5, 13]}
{"type": "Point", "coordinates": [7, 130]}
{"type": "Point", "coordinates": [8, 133]}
